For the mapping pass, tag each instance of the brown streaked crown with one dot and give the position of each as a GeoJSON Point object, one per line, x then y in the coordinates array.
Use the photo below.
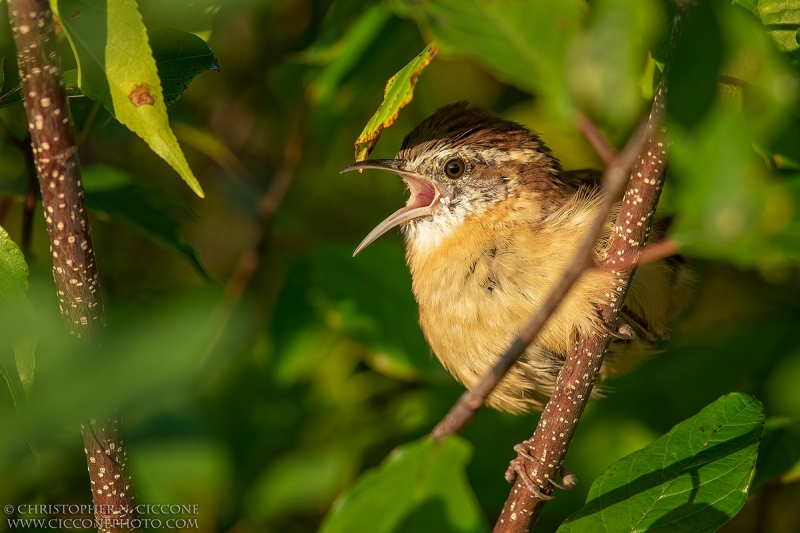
{"type": "Point", "coordinates": [461, 124]}
{"type": "Point", "coordinates": [502, 156]}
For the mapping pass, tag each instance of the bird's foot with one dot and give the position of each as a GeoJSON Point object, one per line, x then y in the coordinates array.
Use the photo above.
{"type": "Point", "coordinates": [517, 468]}
{"type": "Point", "coordinates": [624, 331]}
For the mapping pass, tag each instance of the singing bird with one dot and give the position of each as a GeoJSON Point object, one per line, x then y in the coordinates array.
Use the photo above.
{"type": "Point", "coordinates": [490, 226]}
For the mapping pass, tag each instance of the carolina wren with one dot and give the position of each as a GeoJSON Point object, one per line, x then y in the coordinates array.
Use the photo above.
{"type": "Point", "coordinates": [491, 225]}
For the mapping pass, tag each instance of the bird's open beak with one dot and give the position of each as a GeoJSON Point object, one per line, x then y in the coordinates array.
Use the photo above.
{"type": "Point", "coordinates": [424, 196]}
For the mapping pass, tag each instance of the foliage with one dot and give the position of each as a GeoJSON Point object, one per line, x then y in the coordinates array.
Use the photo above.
{"type": "Point", "coordinates": [266, 376]}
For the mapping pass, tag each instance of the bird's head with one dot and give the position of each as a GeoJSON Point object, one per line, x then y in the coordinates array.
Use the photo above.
{"type": "Point", "coordinates": [460, 161]}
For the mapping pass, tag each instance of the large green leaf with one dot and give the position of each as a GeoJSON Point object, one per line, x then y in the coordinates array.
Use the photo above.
{"type": "Point", "coordinates": [399, 92]}
{"type": "Point", "coordinates": [420, 487]}
{"type": "Point", "coordinates": [522, 42]}
{"type": "Point", "coordinates": [693, 479]}
{"type": "Point", "coordinates": [16, 311]}
{"type": "Point", "coordinates": [180, 57]}
{"type": "Point", "coordinates": [150, 211]}
{"type": "Point", "coordinates": [116, 67]}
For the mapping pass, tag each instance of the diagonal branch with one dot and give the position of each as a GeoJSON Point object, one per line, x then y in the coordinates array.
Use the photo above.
{"type": "Point", "coordinates": [55, 156]}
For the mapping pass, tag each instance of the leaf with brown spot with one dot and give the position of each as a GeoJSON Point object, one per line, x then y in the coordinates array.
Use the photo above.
{"type": "Point", "coordinates": [141, 95]}
{"type": "Point", "coordinates": [116, 67]}
{"type": "Point", "coordinates": [398, 93]}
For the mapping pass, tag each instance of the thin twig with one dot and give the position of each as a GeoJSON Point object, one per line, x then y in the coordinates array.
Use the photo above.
{"type": "Point", "coordinates": [29, 205]}
{"type": "Point", "coordinates": [649, 254]}
{"type": "Point", "coordinates": [596, 140]}
{"type": "Point", "coordinates": [5, 208]}
{"type": "Point", "coordinates": [87, 126]}
{"type": "Point", "coordinates": [612, 184]}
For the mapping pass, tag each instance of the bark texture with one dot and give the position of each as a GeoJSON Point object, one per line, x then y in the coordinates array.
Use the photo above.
{"type": "Point", "coordinates": [74, 268]}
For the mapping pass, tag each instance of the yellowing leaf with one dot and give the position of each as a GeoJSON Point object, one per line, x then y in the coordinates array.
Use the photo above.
{"type": "Point", "coordinates": [116, 67]}
{"type": "Point", "coordinates": [399, 92]}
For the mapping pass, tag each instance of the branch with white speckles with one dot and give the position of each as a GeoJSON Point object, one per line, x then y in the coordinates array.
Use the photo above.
{"type": "Point", "coordinates": [74, 269]}
{"type": "Point", "coordinates": [541, 457]}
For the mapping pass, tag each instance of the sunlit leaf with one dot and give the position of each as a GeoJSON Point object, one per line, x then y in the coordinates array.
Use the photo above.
{"type": "Point", "coordinates": [782, 19]}
{"type": "Point", "coordinates": [16, 311]}
{"type": "Point", "coordinates": [116, 67]}
{"type": "Point", "coordinates": [399, 92]}
{"type": "Point", "coordinates": [180, 57]}
{"type": "Point", "coordinates": [695, 478]}
{"type": "Point", "coordinates": [420, 487]}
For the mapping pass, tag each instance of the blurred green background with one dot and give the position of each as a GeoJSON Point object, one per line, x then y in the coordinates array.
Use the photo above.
{"type": "Point", "coordinates": [263, 394]}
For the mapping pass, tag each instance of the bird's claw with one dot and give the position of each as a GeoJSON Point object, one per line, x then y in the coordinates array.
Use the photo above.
{"type": "Point", "coordinates": [517, 468]}
{"type": "Point", "coordinates": [568, 480]}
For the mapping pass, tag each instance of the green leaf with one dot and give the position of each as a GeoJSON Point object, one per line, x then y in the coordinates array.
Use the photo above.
{"type": "Point", "coordinates": [779, 453]}
{"type": "Point", "coordinates": [342, 56]}
{"type": "Point", "coordinates": [693, 479]}
{"type": "Point", "coordinates": [196, 16]}
{"type": "Point", "coordinates": [116, 67]}
{"type": "Point", "coordinates": [607, 61]}
{"type": "Point", "coordinates": [16, 311]}
{"type": "Point", "coordinates": [180, 57]}
{"type": "Point", "coordinates": [330, 286]}
{"type": "Point", "coordinates": [399, 92]}
{"type": "Point", "coordinates": [420, 487]}
{"type": "Point", "coordinates": [750, 5]}
{"type": "Point", "coordinates": [696, 59]}
{"type": "Point", "coordinates": [144, 209]}
{"type": "Point", "coordinates": [523, 43]}
{"type": "Point", "coordinates": [782, 19]}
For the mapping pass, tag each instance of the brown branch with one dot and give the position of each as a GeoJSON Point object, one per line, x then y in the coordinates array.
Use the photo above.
{"type": "Point", "coordinates": [649, 254]}
{"type": "Point", "coordinates": [612, 184]}
{"type": "Point", "coordinates": [596, 140]}
{"type": "Point", "coordinates": [550, 441]}
{"type": "Point", "coordinates": [74, 269]}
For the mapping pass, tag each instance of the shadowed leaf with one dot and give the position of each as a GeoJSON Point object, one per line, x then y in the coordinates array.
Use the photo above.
{"type": "Point", "coordinates": [149, 211]}
{"type": "Point", "coordinates": [180, 57]}
{"type": "Point", "coordinates": [695, 478]}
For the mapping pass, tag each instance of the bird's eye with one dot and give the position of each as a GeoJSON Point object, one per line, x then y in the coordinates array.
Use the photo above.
{"type": "Point", "coordinates": [454, 168]}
